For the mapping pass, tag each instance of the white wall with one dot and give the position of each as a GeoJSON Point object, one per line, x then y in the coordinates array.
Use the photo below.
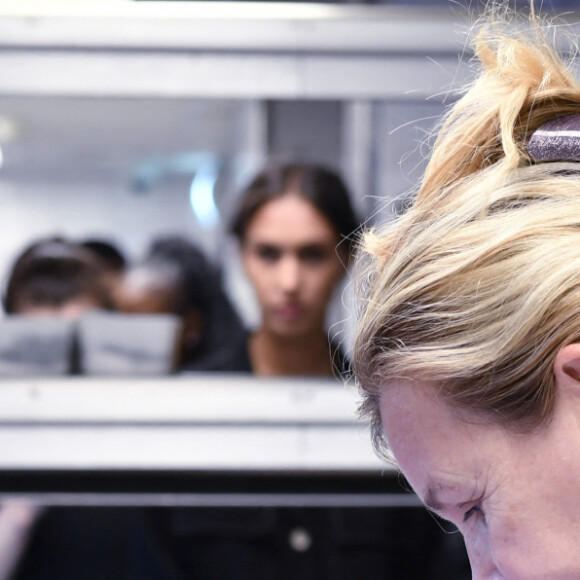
{"type": "Point", "coordinates": [79, 210]}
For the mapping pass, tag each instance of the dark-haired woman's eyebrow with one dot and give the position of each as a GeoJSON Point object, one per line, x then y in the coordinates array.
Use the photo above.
{"type": "Point", "coordinates": [267, 251]}
{"type": "Point", "coordinates": [313, 252]}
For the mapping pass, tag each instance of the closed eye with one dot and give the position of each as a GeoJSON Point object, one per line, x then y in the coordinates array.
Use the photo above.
{"type": "Point", "coordinates": [471, 512]}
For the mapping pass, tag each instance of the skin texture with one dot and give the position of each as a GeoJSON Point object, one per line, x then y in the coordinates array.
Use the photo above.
{"type": "Point", "coordinates": [70, 310]}
{"type": "Point", "coordinates": [513, 497]}
{"type": "Point", "coordinates": [289, 254]}
{"type": "Point", "coordinates": [133, 300]}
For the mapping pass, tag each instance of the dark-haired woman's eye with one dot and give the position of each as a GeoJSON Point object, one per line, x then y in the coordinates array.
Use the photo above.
{"type": "Point", "coordinates": [268, 254]}
{"type": "Point", "coordinates": [313, 255]}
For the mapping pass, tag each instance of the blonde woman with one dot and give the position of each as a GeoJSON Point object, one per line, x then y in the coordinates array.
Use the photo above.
{"type": "Point", "coordinates": [468, 345]}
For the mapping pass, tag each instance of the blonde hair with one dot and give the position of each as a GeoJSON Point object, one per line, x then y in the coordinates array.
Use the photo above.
{"type": "Point", "coordinates": [477, 286]}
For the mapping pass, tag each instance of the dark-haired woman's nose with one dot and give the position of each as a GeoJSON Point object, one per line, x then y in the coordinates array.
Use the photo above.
{"type": "Point", "coordinates": [289, 274]}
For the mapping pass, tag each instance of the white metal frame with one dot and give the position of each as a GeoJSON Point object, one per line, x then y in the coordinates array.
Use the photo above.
{"type": "Point", "coordinates": [215, 422]}
{"type": "Point", "coordinates": [225, 426]}
{"type": "Point", "coordinates": [233, 50]}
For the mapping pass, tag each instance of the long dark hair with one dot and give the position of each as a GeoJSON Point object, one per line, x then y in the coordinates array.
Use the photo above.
{"type": "Point", "coordinates": [319, 185]}
{"type": "Point", "coordinates": [197, 285]}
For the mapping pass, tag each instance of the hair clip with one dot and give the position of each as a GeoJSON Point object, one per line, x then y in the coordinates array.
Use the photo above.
{"type": "Point", "coordinates": [556, 140]}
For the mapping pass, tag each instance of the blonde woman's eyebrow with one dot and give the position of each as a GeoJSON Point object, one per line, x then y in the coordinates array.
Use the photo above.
{"type": "Point", "coordinates": [432, 499]}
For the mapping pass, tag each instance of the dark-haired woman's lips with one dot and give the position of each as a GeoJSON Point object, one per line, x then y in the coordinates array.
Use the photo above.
{"type": "Point", "coordinates": [290, 311]}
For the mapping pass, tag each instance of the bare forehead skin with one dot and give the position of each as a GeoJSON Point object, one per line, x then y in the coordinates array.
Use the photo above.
{"type": "Point", "coordinates": [418, 425]}
{"type": "Point", "coordinates": [290, 221]}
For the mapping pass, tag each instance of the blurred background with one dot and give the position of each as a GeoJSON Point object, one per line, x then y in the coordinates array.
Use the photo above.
{"type": "Point", "coordinates": [126, 120]}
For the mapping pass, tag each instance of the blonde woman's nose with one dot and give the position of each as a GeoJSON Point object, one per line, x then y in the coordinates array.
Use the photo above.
{"type": "Point", "coordinates": [483, 568]}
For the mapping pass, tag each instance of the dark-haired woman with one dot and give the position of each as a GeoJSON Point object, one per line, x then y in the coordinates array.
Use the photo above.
{"type": "Point", "coordinates": [295, 226]}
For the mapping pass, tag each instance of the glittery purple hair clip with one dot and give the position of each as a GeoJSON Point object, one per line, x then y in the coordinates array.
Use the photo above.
{"type": "Point", "coordinates": [556, 140]}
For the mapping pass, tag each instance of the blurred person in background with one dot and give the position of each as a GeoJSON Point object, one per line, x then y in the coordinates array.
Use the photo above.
{"type": "Point", "coordinates": [177, 278]}
{"type": "Point", "coordinates": [112, 259]}
{"type": "Point", "coordinates": [55, 277]}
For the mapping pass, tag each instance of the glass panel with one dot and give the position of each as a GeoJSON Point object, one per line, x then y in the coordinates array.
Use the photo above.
{"type": "Point", "coordinates": [127, 169]}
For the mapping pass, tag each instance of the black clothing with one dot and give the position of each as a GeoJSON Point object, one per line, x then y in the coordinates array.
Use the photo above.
{"type": "Point", "coordinates": [296, 543]}
{"type": "Point", "coordinates": [74, 543]}
{"type": "Point", "coordinates": [239, 361]}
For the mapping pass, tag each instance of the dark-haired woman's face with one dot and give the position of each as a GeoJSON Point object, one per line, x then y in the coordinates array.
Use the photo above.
{"type": "Point", "coordinates": [289, 254]}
